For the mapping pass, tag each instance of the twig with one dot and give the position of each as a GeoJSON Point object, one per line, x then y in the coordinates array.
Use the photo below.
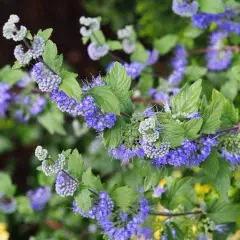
{"type": "Point", "coordinates": [169, 214]}
{"type": "Point", "coordinates": [205, 50]}
{"type": "Point", "coordinates": [147, 100]}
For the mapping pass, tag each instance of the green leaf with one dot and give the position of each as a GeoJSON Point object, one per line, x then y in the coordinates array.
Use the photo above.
{"type": "Point", "coordinates": [187, 100]}
{"type": "Point", "coordinates": [179, 192]}
{"type": "Point", "coordinates": [195, 72]}
{"type": "Point", "coordinates": [114, 45]}
{"type": "Point", "coordinates": [29, 35]}
{"type": "Point", "coordinates": [124, 197]}
{"type": "Point", "coordinates": [212, 114]}
{"type": "Point", "coordinates": [192, 127]}
{"type": "Point", "coordinates": [17, 65]}
{"type": "Point", "coordinates": [230, 89]}
{"type": "Point", "coordinates": [224, 212]}
{"type": "Point", "coordinates": [223, 179]}
{"type": "Point", "coordinates": [213, 6]}
{"type": "Point", "coordinates": [11, 76]}
{"type": "Point", "coordinates": [50, 54]}
{"type": "Point", "coordinates": [91, 180]}
{"type": "Point", "coordinates": [23, 205]}
{"type": "Point", "coordinates": [75, 163]}
{"type": "Point", "coordinates": [53, 121]}
{"type": "Point", "coordinates": [179, 235]}
{"type": "Point", "coordinates": [106, 99]}
{"type": "Point", "coordinates": [112, 137]}
{"type": "Point", "coordinates": [46, 34]}
{"type": "Point", "coordinates": [98, 37]}
{"type": "Point", "coordinates": [166, 43]}
{"type": "Point", "coordinates": [173, 133]}
{"type": "Point", "coordinates": [6, 186]}
{"type": "Point", "coordinates": [119, 82]}
{"type": "Point", "coordinates": [83, 200]}
{"type": "Point", "coordinates": [145, 83]}
{"type": "Point", "coordinates": [70, 85]}
{"type": "Point", "coordinates": [140, 54]}
{"type": "Point", "coordinates": [192, 32]}
{"type": "Point", "coordinates": [230, 114]}
{"type": "Point", "coordinates": [5, 144]}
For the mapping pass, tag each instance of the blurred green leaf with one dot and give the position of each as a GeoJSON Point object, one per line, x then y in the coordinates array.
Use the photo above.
{"type": "Point", "coordinates": [166, 43]}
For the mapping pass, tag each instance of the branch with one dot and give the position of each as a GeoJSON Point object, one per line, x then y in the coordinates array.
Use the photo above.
{"type": "Point", "coordinates": [169, 214]}
{"type": "Point", "coordinates": [147, 100]}
{"type": "Point", "coordinates": [235, 127]}
{"type": "Point", "coordinates": [206, 50]}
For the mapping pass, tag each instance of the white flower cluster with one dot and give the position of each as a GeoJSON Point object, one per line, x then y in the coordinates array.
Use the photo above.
{"type": "Point", "coordinates": [41, 153]}
{"type": "Point", "coordinates": [90, 25]}
{"type": "Point", "coordinates": [153, 152]}
{"type": "Point", "coordinates": [126, 34]}
{"type": "Point", "coordinates": [10, 31]}
{"type": "Point", "coordinates": [148, 131]}
{"type": "Point", "coordinates": [35, 52]}
{"type": "Point", "coordinates": [96, 51]}
{"type": "Point", "coordinates": [49, 169]}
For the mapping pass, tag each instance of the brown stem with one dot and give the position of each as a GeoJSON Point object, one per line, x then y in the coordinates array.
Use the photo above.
{"type": "Point", "coordinates": [236, 127]}
{"type": "Point", "coordinates": [147, 100]}
{"type": "Point", "coordinates": [169, 214]}
{"type": "Point", "coordinates": [205, 50]}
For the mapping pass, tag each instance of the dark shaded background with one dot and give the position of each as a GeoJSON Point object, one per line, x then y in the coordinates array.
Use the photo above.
{"type": "Point", "coordinates": [61, 15]}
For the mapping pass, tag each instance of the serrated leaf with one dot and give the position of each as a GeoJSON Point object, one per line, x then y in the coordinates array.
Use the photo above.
{"type": "Point", "coordinates": [166, 43]}
{"type": "Point", "coordinates": [91, 180]}
{"type": "Point", "coordinates": [106, 99]}
{"type": "Point", "coordinates": [230, 114]}
{"type": "Point", "coordinates": [224, 212]}
{"type": "Point", "coordinates": [83, 200]}
{"type": "Point", "coordinates": [53, 121]}
{"type": "Point", "coordinates": [114, 45]}
{"type": "Point", "coordinates": [29, 35]}
{"type": "Point", "coordinates": [112, 137]}
{"type": "Point", "coordinates": [46, 34]}
{"type": "Point", "coordinates": [213, 6]}
{"type": "Point", "coordinates": [75, 163]}
{"type": "Point", "coordinates": [50, 54]}
{"type": "Point", "coordinates": [173, 133]}
{"type": "Point", "coordinates": [6, 186]}
{"type": "Point", "coordinates": [140, 54]}
{"type": "Point", "coordinates": [195, 72]}
{"type": "Point", "coordinates": [71, 87]}
{"type": "Point", "coordinates": [230, 89]}
{"type": "Point", "coordinates": [124, 197]}
{"type": "Point", "coordinates": [11, 76]}
{"type": "Point", "coordinates": [119, 82]}
{"type": "Point", "coordinates": [192, 128]}
{"type": "Point", "coordinates": [98, 37]}
{"type": "Point", "coordinates": [187, 100]}
{"type": "Point", "coordinates": [212, 114]}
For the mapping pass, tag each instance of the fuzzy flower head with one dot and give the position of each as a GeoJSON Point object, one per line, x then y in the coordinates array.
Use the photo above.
{"type": "Point", "coordinates": [50, 167]}
{"type": "Point", "coordinates": [96, 51]}
{"type": "Point", "coordinates": [89, 26]}
{"type": "Point", "coordinates": [125, 32]}
{"type": "Point", "coordinates": [128, 46]}
{"type": "Point", "coordinates": [183, 8]}
{"type": "Point", "coordinates": [65, 185]}
{"type": "Point", "coordinates": [134, 69]}
{"type": "Point", "coordinates": [47, 80]}
{"type": "Point", "coordinates": [41, 153]}
{"type": "Point", "coordinates": [38, 47]}
{"type": "Point", "coordinates": [21, 56]}
{"type": "Point", "coordinates": [10, 31]}
{"type": "Point", "coordinates": [7, 205]}
{"type": "Point", "coordinates": [39, 197]}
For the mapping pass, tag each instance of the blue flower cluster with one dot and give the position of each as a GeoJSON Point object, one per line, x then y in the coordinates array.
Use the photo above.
{"type": "Point", "coordinates": [233, 158]}
{"type": "Point", "coordinates": [125, 154]}
{"type": "Point", "coordinates": [217, 58]}
{"type": "Point", "coordinates": [86, 108]}
{"type": "Point", "coordinates": [102, 209]}
{"type": "Point", "coordinates": [130, 227]}
{"type": "Point", "coordinates": [8, 205]}
{"type": "Point", "coordinates": [163, 96]}
{"type": "Point", "coordinates": [179, 64]}
{"type": "Point", "coordinates": [190, 153]}
{"type": "Point", "coordinates": [203, 20]}
{"type": "Point", "coordinates": [39, 197]}
{"type": "Point", "coordinates": [65, 185]}
{"type": "Point", "coordinates": [5, 97]}
{"type": "Point", "coordinates": [183, 8]}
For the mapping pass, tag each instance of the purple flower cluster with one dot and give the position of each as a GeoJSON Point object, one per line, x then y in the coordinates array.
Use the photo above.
{"type": "Point", "coordinates": [4, 98]}
{"type": "Point", "coordinates": [86, 108]}
{"type": "Point", "coordinates": [65, 185]}
{"type": "Point", "coordinates": [163, 96]}
{"type": "Point", "coordinates": [130, 228]}
{"type": "Point", "coordinates": [190, 153]}
{"type": "Point", "coordinates": [8, 205]}
{"type": "Point", "coordinates": [134, 69]}
{"type": "Point", "coordinates": [233, 158]}
{"type": "Point", "coordinates": [185, 9]}
{"type": "Point", "coordinates": [101, 210]}
{"type": "Point", "coordinates": [47, 80]}
{"type": "Point", "coordinates": [39, 197]}
{"type": "Point", "coordinates": [125, 154]}
{"type": "Point", "coordinates": [153, 57]}
{"type": "Point", "coordinates": [178, 63]}
{"type": "Point", "coordinates": [218, 59]}
{"type": "Point", "coordinates": [203, 20]}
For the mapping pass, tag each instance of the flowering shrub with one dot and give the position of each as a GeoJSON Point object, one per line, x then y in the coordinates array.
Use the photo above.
{"type": "Point", "coordinates": [165, 161]}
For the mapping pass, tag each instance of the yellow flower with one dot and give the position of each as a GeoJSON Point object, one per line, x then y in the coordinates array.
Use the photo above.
{"type": "Point", "coordinates": [177, 173]}
{"type": "Point", "coordinates": [4, 235]}
{"type": "Point", "coordinates": [236, 236]}
{"type": "Point", "coordinates": [157, 235]}
{"type": "Point", "coordinates": [194, 228]}
{"type": "Point", "coordinates": [202, 189]}
{"type": "Point", "coordinates": [162, 182]}
{"type": "Point", "coordinates": [3, 227]}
